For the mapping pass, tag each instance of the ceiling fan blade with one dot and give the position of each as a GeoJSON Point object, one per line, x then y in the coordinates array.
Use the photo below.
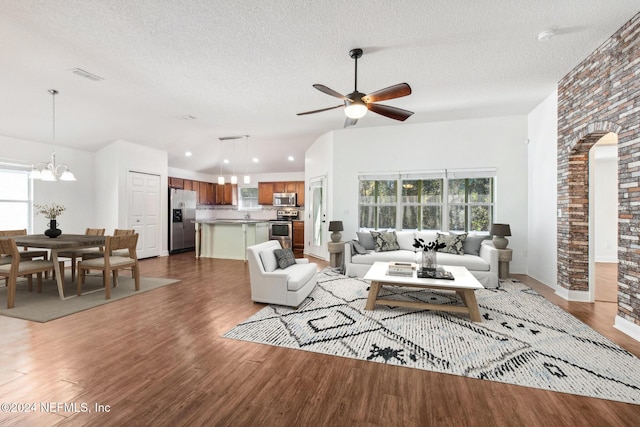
{"type": "Point", "coordinates": [319, 111]}
{"type": "Point", "coordinates": [391, 92]}
{"type": "Point", "coordinates": [350, 122]}
{"type": "Point", "coordinates": [391, 112]}
{"type": "Point", "coordinates": [328, 91]}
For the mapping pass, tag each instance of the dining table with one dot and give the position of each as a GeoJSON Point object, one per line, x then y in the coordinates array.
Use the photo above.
{"type": "Point", "coordinates": [61, 243]}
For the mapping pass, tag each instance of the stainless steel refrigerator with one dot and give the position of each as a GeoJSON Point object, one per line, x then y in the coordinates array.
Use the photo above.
{"type": "Point", "coordinates": [182, 213]}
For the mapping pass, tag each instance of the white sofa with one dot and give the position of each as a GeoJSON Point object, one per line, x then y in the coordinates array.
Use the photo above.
{"type": "Point", "coordinates": [274, 285]}
{"type": "Point", "coordinates": [484, 265]}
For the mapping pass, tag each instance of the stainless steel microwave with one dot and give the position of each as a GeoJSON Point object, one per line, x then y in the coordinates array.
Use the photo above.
{"type": "Point", "coordinates": [284, 199]}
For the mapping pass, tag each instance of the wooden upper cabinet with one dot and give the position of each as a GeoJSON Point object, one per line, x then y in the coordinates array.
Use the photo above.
{"type": "Point", "coordinates": [300, 192]}
{"type": "Point", "coordinates": [290, 187]}
{"type": "Point", "coordinates": [176, 182]}
{"type": "Point", "coordinates": [265, 193]}
{"type": "Point", "coordinates": [226, 194]}
{"type": "Point", "coordinates": [266, 190]}
{"type": "Point", "coordinates": [189, 185]}
{"type": "Point", "coordinates": [206, 193]}
{"type": "Point", "coordinates": [279, 187]}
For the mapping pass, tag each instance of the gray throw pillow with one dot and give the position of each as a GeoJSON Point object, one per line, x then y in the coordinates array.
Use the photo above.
{"type": "Point", "coordinates": [366, 240]}
{"type": "Point", "coordinates": [453, 243]}
{"type": "Point", "coordinates": [285, 257]}
{"type": "Point", "coordinates": [358, 248]}
{"type": "Point", "coordinates": [472, 244]}
{"type": "Point", "coordinates": [385, 241]}
{"type": "Point", "coordinates": [269, 261]}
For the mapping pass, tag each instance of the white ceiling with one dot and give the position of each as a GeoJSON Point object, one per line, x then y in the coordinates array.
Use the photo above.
{"type": "Point", "coordinates": [247, 67]}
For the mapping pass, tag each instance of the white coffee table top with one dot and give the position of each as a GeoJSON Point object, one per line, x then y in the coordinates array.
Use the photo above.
{"type": "Point", "coordinates": [463, 279]}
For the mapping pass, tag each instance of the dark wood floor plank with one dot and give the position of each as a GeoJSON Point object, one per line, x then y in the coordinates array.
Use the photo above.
{"type": "Point", "coordinates": [159, 358]}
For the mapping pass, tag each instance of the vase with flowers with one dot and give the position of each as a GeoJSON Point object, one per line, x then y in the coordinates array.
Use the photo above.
{"type": "Point", "coordinates": [429, 256]}
{"type": "Point", "coordinates": [51, 212]}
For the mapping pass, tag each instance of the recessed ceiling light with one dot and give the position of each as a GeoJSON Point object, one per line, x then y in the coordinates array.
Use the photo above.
{"type": "Point", "coordinates": [226, 161]}
{"type": "Point", "coordinates": [545, 35]}
{"type": "Point", "coordinates": [290, 158]}
{"type": "Point", "coordinates": [255, 160]}
{"type": "Point", "coordinates": [188, 154]}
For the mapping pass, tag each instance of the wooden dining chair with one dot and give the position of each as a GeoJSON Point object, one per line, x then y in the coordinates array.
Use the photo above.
{"type": "Point", "coordinates": [20, 268]}
{"type": "Point", "coordinates": [75, 254]}
{"type": "Point", "coordinates": [122, 252]}
{"type": "Point", "coordinates": [109, 264]}
{"type": "Point", "coordinates": [25, 254]}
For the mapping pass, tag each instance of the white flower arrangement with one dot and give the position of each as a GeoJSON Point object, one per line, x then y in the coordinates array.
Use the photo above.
{"type": "Point", "coordinates": [50, 211]}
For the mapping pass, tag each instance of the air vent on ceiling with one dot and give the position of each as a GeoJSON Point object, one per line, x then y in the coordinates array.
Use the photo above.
{"type": "Point", "coordinates": [86, 74]}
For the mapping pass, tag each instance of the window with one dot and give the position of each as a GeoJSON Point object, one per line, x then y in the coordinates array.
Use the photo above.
{"type": "Point", "coordinates": [436, 200]}
{"type": "Point", "coordinates": [248, 198]}
{"type": "Point", "coordinates": [15, 199]}
{"type": "Point", "coordinates": [378, 203]}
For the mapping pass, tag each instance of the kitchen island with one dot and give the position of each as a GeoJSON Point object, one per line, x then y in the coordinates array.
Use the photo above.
{"type": "Point", "coordinates": [229, 238]}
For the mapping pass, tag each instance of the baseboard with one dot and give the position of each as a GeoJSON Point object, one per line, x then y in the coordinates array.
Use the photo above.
{"type": "Point", "coordinates": [607, 260]}
{"type": "Point", "coordinates": [627, 327]}
{"type": "Point", "coordinates": [569, 295]}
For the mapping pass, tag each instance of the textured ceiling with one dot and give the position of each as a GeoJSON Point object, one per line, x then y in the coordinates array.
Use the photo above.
{"type": "Point", "coordinates": [247, 67]}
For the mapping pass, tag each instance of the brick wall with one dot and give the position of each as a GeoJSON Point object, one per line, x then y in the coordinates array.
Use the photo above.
{"type": "Point", "coordinates": [601, 95]}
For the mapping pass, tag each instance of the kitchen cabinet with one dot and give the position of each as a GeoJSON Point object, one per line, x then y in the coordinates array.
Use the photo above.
{"type": "Point", "coordinates": [190, 185]}
{"type": "Point", "coordinates": [206, 193]}
{"type": "Point", "coordinates": [300, 192]}
{"type": "Point", "coordinates": [227, 194]}
{"type": "Point", "coordinates": [176, 182]}
{"type": "Point", "coordinates": [266, 190]}
{"type": "Point", "coordinates": [279, 187]}
{"type": "Point", "coordinates": [265, 193]}
{"type": "Point", "coordinates": [298, 238]}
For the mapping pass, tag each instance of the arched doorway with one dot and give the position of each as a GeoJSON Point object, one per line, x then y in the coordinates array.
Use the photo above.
{"type": "Point", "coordinates": [603, 220]}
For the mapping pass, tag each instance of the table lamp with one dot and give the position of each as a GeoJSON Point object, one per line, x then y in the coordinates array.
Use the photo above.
{"type": "Point", "coordinates": [499, 231]}
{"type": "Point", "coordinates": [336, 227]}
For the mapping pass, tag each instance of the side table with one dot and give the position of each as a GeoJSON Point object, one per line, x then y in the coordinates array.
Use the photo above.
{"type": "Point", "coordinates": [335, 253]}
{"type": "Point", "coordinates": [504, 256]}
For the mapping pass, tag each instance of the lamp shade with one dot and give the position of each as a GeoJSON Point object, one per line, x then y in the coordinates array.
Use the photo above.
{"type": "Point", "coordinates": [335, 226]}
{"type": "Point", "coordinates": [500, 230]}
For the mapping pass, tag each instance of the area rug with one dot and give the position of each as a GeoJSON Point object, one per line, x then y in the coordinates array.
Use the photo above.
{"type": "Point", "coordinates": [523, 339]}
{"type": "Point", "coordinates": [48, 305]}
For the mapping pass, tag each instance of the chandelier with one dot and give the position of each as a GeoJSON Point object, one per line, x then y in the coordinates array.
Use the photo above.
{"type": "Point", "coordinates": [50, 171]}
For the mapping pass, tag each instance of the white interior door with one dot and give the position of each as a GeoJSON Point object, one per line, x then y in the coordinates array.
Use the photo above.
{"type": "Point", "coordinates": [317, 245]}
{"type": "Point", "coordinates": [144, 212]}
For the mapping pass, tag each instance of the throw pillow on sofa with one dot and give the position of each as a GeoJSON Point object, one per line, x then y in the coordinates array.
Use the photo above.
{"type": "Point", "coordinates": [285, 257]}
{"type": "Point", "coordinates": [366, 239]}
{"type": "Point", "coordinates": [472, 244]}
{"type": "Point", "coordinates": [385, 241]}
{"type": "Point", "coordinates": [453, 243]}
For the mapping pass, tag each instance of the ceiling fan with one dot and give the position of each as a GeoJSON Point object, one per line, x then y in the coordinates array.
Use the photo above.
{"type": "Point", "coordinates": [357, 103]}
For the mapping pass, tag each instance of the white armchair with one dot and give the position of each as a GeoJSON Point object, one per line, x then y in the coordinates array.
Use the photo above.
{"type": "Point", "coordinates": [273, 285]}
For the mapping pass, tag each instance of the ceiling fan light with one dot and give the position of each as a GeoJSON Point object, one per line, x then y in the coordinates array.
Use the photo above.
{"type": "Point", "coordinates": [355, 110]}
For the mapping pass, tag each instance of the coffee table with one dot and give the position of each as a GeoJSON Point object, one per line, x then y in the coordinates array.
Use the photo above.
{"type": "Point", "coordinates": [464, 285]}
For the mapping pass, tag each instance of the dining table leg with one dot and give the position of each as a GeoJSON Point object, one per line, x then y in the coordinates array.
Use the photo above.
{"type": "Point", "coordinates": [59, 276]}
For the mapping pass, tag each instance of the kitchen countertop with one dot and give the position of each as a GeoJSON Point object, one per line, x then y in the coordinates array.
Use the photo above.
{"type": "Point", "coordinates": [230, 221]}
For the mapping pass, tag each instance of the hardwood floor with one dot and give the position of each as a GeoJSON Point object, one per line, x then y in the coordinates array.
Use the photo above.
{"type": "Point", "coordinates": [158, 359]}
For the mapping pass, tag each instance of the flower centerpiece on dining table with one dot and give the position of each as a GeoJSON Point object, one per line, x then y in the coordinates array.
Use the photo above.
{"type": "Point", "coordinates": [429, 258]}
{"type": "Point", "coordinates": [51, 212]}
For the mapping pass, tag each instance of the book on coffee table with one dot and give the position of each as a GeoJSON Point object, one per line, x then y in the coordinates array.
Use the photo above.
{"type": "Point", "coordinates": [438, 274]}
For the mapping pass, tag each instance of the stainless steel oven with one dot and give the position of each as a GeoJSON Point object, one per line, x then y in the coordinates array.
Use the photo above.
{"type": "Point", "coordinates": [282, 228]}
{"type": "Point", "coordinates": [282, 231]}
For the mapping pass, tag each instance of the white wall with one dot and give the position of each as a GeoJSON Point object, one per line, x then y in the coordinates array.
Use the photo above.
{"type": "Point", "coordinates": [497, 142]}
{"type": "Point", "coordinates": [542, 191]}
{"type": "Point", "coordinates": [606, 203]}
{"type": "Point", "coordinates": [76, 196]}
{"type": "Point", "coordinates": [113, 164]}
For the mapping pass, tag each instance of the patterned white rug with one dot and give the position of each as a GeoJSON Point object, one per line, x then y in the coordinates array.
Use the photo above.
{"type": "Point", "coordinates": [523, 338]}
